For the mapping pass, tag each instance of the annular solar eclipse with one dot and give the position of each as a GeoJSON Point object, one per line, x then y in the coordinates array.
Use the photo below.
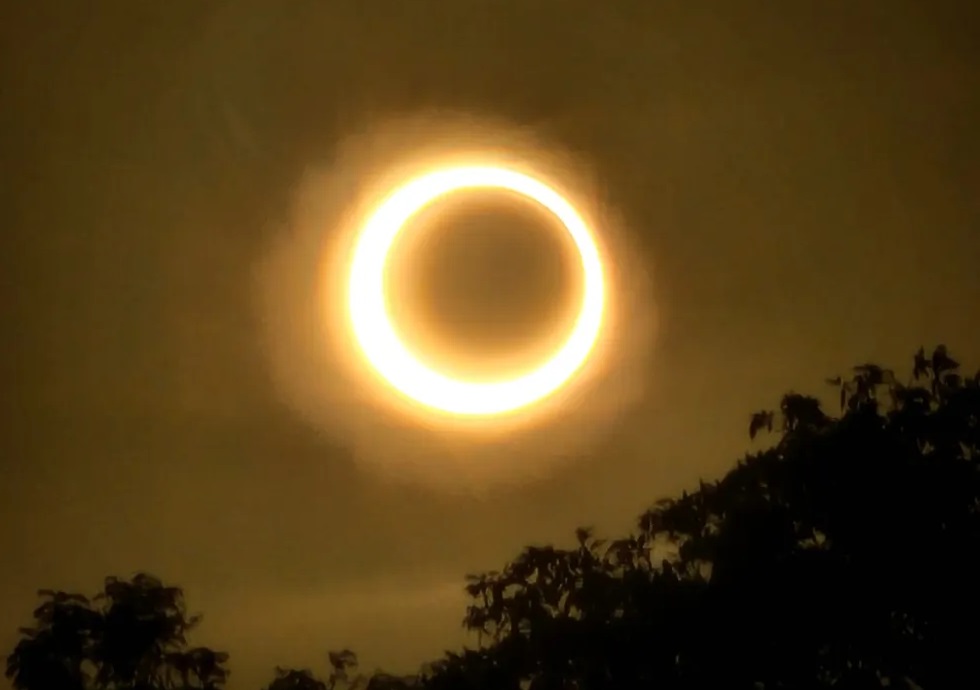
{"type": "Point", "coordinates": [374, 330]}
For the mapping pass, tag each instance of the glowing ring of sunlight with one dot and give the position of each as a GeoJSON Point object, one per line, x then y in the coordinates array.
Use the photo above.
{"type": "Point", "coordinates": [372, 323]}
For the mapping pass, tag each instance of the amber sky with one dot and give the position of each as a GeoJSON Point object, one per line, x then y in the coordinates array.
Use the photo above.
{"type": "Point", "coordinates": [802, 175]}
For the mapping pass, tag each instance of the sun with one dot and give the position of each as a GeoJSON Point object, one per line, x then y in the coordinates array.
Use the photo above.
{"type": "Point", "coordinates": [375, 333]}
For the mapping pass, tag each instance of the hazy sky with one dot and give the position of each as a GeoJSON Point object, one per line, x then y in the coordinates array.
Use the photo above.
{"type": "Point", "coordinates": [800, 177]}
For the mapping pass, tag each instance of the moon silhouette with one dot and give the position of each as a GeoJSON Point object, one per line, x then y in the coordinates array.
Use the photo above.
{"type": "Point", "coordinates": [375, 333]}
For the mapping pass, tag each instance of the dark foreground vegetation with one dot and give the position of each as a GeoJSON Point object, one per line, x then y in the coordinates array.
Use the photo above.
{"type": "Point", "coordinates": [847, 555]}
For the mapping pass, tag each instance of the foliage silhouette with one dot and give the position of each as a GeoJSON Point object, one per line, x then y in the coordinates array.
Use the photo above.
{"type": "Point", "coordinates": [343, 676]}
{"type": "Point", "coordinates": [843, 556]}
{"type": "Point", "coordinates": [292, 679]}
{"type": "Point", "coordinates": [130, 636]}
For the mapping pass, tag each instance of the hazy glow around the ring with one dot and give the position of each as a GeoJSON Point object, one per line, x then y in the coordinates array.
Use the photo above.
{"type": "Point", "coordinates": [372, 324]}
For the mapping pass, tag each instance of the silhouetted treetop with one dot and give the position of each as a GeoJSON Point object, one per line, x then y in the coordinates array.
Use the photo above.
{"type": "Point", "coordinates": [343, 676]}
{"type": "Point", "coordinates": [841, 556]}
{"type": "Point", "coordinates": [844, 555]}
{"type": "Point", "coordinates": [129, 636]}
{"type": "Point", "coordinates": [292, 679]}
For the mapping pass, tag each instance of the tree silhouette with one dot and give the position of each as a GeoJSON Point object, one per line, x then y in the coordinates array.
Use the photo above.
{"type": "Point", "coordinates": [130, 636]}
{"type": "Point", "coordinates": [292, 679]}
{"type": "Point", "coordinates": [842, 556]}
{"type": "Point", "coordinates": [343, 676]}
{"type": "Point", "coordinates": [54, 653]}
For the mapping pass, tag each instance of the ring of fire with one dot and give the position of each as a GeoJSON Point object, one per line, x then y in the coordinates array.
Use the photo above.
{"type": "Point", "coordinates": [372, 323]}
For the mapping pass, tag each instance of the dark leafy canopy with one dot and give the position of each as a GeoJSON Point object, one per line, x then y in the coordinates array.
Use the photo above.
{"type": "Point", "coordinates": [291, 679]}
{"type": "Point", "coordinates": [343, 676]}
{"type": "Point", "coordinates": [130, 636]}
{"type": "Point", "coordinates": [847, 555]}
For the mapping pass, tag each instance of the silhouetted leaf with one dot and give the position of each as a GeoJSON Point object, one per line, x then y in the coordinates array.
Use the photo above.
{"type": "Point", "coordinates": [760, 420]}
